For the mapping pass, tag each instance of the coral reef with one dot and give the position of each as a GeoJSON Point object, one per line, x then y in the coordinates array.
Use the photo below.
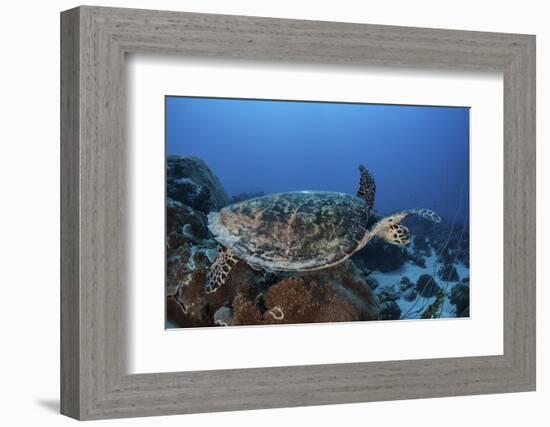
{"type": "Point", "coordinates": [452, 244]}
{"type": "Point", "coordinates": [372, 282]}
{"type": "Point", "coordinates": [434, 309]}
{"type": "Point", "coordinates": [389, 310]}
{"type": "Point", "coordinates": [387, 299]}
{"type": "Point", "coordinates": [337, 297]}
{"type": "Point", "coordinates": [388, 293]}
{"type": "Point", "coordinates": [409, 295]}
{"type": "Point", "coordinates": [191, 181]}
{"type": "Point", "coordinates": [332, 295]}
{"type": "Point", "coordinates": [448, 273]}
{"type": "Point", "coordinates": [187, 192]}
{"type": "Point", "coordinates": [381, 256]}
{"type": "Point", "coordinates": [420, 244]}
{"type": "Point", "coordinates": [223, 316]}
{"type": "Point", "coordinates": [405, 283]}
{"type": "Point", "coordinates": [460, 298]}
{"type": "Point", "coordinates": [417, 259]}
{"type": "Point", "coordinates": [426, 286]}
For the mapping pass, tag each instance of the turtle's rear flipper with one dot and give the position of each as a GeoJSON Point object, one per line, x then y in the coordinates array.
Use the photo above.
{"type": "Point", "coordinates": [219, 270]}
{"type": "Point", "coordinates": [367, 186]}
{"type": "Point", "coordinates": [390, 229]}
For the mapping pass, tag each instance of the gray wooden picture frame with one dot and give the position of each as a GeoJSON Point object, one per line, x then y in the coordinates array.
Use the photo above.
{"type": "Point", "coordinates": [94, 41]}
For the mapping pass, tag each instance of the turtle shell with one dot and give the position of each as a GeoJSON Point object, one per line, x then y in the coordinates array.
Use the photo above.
{"type": "Point", "coordinates": [296, 231]}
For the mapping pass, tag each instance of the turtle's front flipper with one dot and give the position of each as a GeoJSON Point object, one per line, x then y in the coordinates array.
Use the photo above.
{"type": "Point", "coordinates": [367, 186]}
{"type": "Point", "coordinates": [220, 269]}
{"type": "Point", "coordinates": [426, 214]}
{"type": "Point", "coordinates": [392, 231]}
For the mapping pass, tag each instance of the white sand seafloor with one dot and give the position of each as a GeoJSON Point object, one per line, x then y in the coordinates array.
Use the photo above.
{"type": "Point", "coordinates": [413, 309]}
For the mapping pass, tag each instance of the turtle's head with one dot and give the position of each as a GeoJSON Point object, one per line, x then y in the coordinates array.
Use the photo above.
{"type": "Point", "coordinates": [390, 230]}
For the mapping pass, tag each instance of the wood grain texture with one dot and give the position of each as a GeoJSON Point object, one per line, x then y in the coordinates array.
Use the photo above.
{"type": "Point", "coordinates": [94, 382]}
{"type": "Point", "coordinates": [70, 297]}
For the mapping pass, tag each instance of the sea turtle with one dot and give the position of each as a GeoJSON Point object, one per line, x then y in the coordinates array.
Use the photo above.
{"type": "Point", "coordinates": [302, 230]}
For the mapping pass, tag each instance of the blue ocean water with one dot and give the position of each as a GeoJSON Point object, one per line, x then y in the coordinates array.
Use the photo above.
{"type": "Point", "coordinates": [419, 155]}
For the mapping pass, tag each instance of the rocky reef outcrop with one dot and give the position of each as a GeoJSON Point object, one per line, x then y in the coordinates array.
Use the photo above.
{"type": "Point", "coordinates": [426, 286]}
{"type": "Point", "coordinates": [190, 181]}
{"type": "Point", "coordinates": [460, 298]}
{"type": "Point", "coordinates": [335, 295]}
{"type": "Point", "coordinates": [448, 273]}
{"type": "Point", "coordinates": [381, 256]}
{"type": "Point", "coordinates": [250, 297]}
{"type": "Point", "coordinates": [387, 297]}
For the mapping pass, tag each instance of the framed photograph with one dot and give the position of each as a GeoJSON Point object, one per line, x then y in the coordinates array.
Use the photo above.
{"type": "Point", "coordinates": [345, 209]}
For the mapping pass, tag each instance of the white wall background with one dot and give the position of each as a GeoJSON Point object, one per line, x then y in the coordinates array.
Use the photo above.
{"type": "Point", "coordinates": [29, 225]}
